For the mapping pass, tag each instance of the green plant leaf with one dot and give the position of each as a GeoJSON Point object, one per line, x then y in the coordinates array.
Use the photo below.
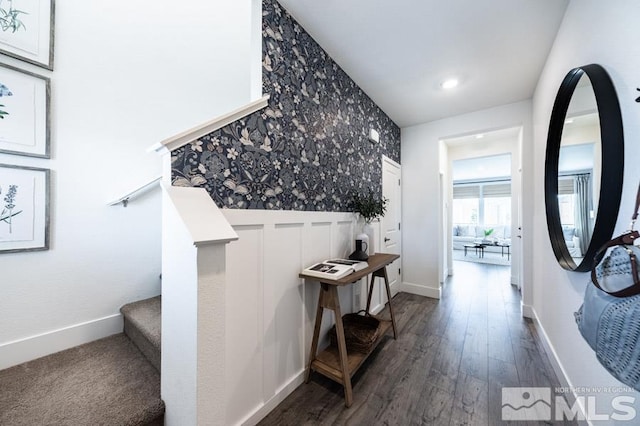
{"type": "Point", "coordinates": [369, 206]}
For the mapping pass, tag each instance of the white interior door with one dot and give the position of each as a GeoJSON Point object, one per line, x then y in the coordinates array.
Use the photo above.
{"type": "Point", "coordinates": [390, 224]}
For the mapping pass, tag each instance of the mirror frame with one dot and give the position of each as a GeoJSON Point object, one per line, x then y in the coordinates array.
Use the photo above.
{"type": "Point", "coordinates": [612, 144]}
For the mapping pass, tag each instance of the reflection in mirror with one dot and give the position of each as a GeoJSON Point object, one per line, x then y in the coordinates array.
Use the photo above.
{"type": "Point", "coordinates": [583, 166]}
{"type": "Point", "coordinates": [579, 169]}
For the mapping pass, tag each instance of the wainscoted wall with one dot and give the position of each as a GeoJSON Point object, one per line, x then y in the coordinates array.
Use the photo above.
{"type": "Point", "coordinates": [303, 157]}
{"type": "Point", "coordinates": [309, 149]}
{"type": "Point", "coordinates": [270, 311]}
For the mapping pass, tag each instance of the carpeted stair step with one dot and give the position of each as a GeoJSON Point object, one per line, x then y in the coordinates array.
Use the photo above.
{"type": "Point", "coordinates": [142, 323]}
{"type": "Point", "coordinates": [106, 382]}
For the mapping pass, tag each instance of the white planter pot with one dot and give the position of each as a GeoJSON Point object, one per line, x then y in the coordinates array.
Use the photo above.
{"type": "Point", "coordinates": [368, 230]}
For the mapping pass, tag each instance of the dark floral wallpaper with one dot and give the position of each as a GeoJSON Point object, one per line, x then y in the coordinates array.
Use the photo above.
{"type": "Point", "coordinates": [308, 149]}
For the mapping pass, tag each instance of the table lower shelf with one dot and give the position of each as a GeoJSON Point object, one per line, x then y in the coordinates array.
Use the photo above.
{"type": "Point", "coordinates": [327, 362]}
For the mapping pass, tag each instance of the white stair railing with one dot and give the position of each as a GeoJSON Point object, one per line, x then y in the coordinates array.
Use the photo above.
{"type": "Point", "coordinates": [139, 190]}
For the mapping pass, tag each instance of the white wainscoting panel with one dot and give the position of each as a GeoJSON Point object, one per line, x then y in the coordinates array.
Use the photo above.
{"type": "Point", "coordinates": [270, 311]}
{"type": "Point", "coordinates": [244, 334]}
{"type": "Point", "coordinates": [284, 309]}
{"type": "Point", "coordinates": [318, 243]}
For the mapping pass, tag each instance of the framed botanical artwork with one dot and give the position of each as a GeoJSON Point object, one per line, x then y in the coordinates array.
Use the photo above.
{"type": "Point", "coordinates": [24, 209]}
{"type": "Point", "coordinates": [26, 30]}
{"type": "Point", "coordinates": [24, 112]}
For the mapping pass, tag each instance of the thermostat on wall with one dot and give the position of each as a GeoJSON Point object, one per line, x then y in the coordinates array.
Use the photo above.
{"type": "Point", "coordinates": [374, 136]}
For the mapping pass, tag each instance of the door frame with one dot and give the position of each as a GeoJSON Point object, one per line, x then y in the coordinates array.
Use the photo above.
{"type": "Point", "coordinates": [395, 288]}
{"type": "Point", "coordinates": [360, 290]}
{"type": "Point", "coordinates": [517, 192]}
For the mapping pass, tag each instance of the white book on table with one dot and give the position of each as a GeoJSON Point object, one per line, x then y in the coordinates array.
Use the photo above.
{"type": "Point", "coordinates": [335, 268]}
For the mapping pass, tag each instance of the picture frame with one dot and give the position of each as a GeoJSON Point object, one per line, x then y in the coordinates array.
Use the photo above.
{"type": "Point", "coordinates": [24, 112]}
{"type": "Point", "coordinates": [24, 208]}
{"type": "Point", "coordinates": [27, 31]}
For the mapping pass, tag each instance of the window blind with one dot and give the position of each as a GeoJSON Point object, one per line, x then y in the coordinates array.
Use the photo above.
{"type": "Point", "coordinates": [488, 190]}
{"type": "Point", "coordinates": [466, 191]}
{"type": "Point", "coordinates": [497, 190]}
{"type": "Point", "coordinates": [565, 186]}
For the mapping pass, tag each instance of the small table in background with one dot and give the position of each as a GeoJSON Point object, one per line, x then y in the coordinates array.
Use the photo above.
{"type": "Point", "coordinates": [505, 246]}
{"type": "Point", "coordinates": [336, 363]}
{"type": "Point", "coordinates": [478, 247]}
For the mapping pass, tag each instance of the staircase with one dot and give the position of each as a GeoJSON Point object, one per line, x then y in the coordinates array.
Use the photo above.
{"type": "Point", "coordinates": [143, 326]}
{"type": "Point", "coordinates": [113, 381]}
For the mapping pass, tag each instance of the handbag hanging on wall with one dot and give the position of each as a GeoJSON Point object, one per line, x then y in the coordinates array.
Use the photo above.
{"type": "Point", "coordinates": [609, 318]}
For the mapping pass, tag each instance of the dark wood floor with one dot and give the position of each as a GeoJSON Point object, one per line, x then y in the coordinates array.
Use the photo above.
{"type": "Point", "coordinates": [448, 366]}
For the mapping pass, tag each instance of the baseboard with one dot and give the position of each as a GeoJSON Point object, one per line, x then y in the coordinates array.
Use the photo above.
{"type": "Point", "coordinates": [527, 311]}
{"type": "Point", "coordinates": [420, 290]}
{"type": "Point", "coordinates": [30, 348]}
{"type": "Point", "coordinates": [557, 365]}
{"type": "Point", "coordinates": [272, 403]}
{"type": "Point", "coordinates": [395, 288]}
{"type": "Point", "coordinates": [514, 279]}
{"type": "Point", "coordinates": [375, 310]}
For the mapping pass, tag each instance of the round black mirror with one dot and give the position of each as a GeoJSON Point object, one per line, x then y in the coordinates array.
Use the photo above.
{"type": "Point", "coordinates": [583, 166]}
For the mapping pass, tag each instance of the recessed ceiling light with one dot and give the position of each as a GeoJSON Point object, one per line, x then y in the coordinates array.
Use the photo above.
{"type": "Point", "coordinates": [568, 121]}
{"type": "Point", "coordinates": [450, 83]}
{"type": "Point", "coordinates": [479, 136]}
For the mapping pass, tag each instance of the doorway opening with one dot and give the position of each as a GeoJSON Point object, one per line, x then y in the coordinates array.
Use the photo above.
{"type": "Point", "coordinates": [481, 200]}
{"type": "Point", "coordinates": [481, 210]}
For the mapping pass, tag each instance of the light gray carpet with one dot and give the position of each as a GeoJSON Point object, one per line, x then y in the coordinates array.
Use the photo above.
{"type": "Point", "coordinates": [143, 325]}
{"type": "Point", "coordinates": [106, 382]}
{"type": "Point", "coordinates": [489, 257]}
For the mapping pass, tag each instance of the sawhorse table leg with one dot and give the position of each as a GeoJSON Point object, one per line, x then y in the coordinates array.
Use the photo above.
{"type": "Point", "coordinates": [329, 299]}
{"type": "Point", "coordinates": [382, 273]}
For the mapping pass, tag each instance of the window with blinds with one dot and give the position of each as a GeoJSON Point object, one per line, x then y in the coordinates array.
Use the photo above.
{"type": "Point", "coordinates": [482, 203]}
{"type": "Point", "coordinates": [565, 185]}
{"type": "Point", "coordinates": [497, 190]}
{"type": "Point", "coordinates": [487, 190]}
{"type": "Point", "coordinates": [466, 191]}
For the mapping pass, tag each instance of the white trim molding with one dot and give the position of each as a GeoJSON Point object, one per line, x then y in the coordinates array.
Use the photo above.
{"type": "Point", "coordinates": [30, 348]}
{"type": "Point", "coordinates": [282, 393]}
{"type": "Point", "coordinates": [557, 366]}
{"type": "Point", "coordinates": [420, 290]}
{"type": "Point", "coordinates": [188, 136]}
{"type": "Point", "coordinates": [202, 218]}
{"type": "Point", "coordinates": [527, 311]}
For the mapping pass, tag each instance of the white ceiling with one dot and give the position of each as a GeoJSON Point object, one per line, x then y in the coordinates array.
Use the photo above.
{"type": "Point", "coordinates": [400, 51]}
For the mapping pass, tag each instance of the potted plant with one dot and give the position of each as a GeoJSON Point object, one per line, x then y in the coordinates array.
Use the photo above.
{"type": "Point", "coordinates": [370, 207]}
{"type": "Point", "coordinates": [487, 233]}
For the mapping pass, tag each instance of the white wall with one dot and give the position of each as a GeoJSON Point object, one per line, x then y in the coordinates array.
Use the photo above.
{"type": "Point", "coordinates": [607, 34]}
{"type": "Point", "coordinates": [126, 76]}
{"type": "Point", "coordinates": [420, 169]}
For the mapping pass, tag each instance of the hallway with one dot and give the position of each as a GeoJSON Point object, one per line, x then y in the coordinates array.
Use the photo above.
{"type": "Point", "coordinates": [448, 366]}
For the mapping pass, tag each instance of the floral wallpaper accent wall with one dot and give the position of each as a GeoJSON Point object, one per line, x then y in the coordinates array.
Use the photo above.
{"type": "Point", "coordinates": [308, 149]}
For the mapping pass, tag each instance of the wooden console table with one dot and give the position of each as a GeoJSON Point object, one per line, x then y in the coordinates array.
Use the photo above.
{"type": "Point", "coordinates": [336, 363]}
